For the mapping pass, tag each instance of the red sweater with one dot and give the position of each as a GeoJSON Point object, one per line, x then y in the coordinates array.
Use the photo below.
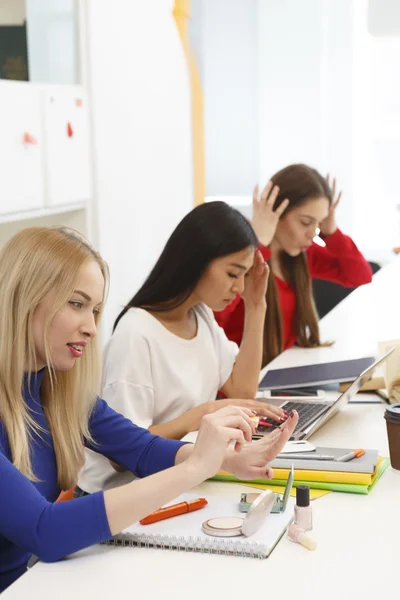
{"type": "Point", "coordinates": [340, 261]}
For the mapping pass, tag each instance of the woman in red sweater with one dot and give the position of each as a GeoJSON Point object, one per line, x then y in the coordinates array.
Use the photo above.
{"type": "Point", "coordinates": [296, 202]}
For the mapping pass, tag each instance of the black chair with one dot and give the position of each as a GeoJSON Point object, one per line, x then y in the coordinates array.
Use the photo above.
{"type": "Point", "coordinates": [327, 294]}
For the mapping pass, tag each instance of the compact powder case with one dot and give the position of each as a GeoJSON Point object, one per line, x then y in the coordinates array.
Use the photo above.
{"type": "Point", "coordinates": [233, 526]}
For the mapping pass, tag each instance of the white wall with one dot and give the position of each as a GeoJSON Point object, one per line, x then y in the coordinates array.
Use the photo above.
{"type": "Point", "coordinates": [277, 80]}
{"type": "Point", "coordinates": [229, 76]}
{"type": "Point", "coordinates": [52, 41]}
{"type": "Point", "coordinates": [142, 137]}
{"type": "Point", "coordinates": [376, 129]}
{"type": "Point", "coordinates": [305, 81]}
{"type": "Point", "coordinates": [384, 17]}
{"type": "Point", "coordinates": [290, 42]}
{"type": "Point", "coordinates": [305, 89]}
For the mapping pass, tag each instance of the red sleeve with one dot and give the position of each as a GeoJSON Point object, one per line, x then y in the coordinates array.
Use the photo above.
{"type": "Point", "coordinates": [265, 251]}
{"type": "Point", "coordinates": [231, 319]}
{"type": "Point", "coordinates": [340, 261]}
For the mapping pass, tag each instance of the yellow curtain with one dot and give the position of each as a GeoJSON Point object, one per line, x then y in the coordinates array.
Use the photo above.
{"type": "Point", "coordinates": [181, 12]}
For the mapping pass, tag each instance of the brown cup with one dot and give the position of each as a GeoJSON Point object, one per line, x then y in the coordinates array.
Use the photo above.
{"type": "Point", "coordinates": [392, 416]}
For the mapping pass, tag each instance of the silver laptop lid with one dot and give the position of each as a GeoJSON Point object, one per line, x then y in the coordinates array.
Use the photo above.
{"type": "Point", "coordinates": [344, 398]}
{"type": "Point", "coordinates": [359, 382]}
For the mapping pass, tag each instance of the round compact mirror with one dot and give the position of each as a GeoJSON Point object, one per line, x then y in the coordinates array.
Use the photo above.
{"type": "Point", "coordinates": [258, 512]}
{"type": "Point", "coordinates": [233, 526]}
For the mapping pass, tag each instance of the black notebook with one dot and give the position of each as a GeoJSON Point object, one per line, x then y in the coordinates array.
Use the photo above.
{"type": "Point", "coordinates": [313, 375]}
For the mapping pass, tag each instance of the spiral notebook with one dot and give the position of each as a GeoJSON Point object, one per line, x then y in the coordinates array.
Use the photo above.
{"type": "Point", "coordinates": [184, 531]}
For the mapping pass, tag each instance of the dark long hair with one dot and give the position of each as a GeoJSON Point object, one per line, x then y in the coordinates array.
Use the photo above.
{"type": "Point", "coordinates": [299, 183]}
{"type": "Point", "coordinates": [208, 232]}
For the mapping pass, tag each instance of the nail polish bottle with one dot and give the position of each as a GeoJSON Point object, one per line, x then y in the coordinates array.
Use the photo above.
{"type": "Point", "coordinates": [302, 509]}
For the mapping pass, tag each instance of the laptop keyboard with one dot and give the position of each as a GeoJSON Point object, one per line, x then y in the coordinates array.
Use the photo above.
{"type": "Point", "coordinates": [308, 413]}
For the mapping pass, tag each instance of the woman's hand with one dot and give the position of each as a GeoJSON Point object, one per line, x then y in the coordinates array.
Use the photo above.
{"type": "Point", "coordinates": [217, 431]}
{"type": "Point", "coordinates": [256, 283]}
{"type": "Point", "coordinates": [328, 225]}
{"type": "Point", "coordinates": [252, 462]}
{"type": "Point", "coordinates": [265, 218]}
{"type": "Point", "coordinates": [195, 415]}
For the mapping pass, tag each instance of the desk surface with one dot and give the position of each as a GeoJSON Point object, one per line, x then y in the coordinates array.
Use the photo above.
{"type": "Point", "coordinates": [358, 536]}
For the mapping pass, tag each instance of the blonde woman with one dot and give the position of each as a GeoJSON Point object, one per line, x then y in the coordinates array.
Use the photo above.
{"type": "Point", "coordinates": [52, 292]}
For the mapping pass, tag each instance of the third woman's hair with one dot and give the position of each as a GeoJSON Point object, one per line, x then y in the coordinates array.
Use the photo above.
{"type": "Point", "coordinates": [299, 183]}
{"type": "Point", "coordinates": [210, 231]}
{"type": "Point", "coordinates": [33, 263]}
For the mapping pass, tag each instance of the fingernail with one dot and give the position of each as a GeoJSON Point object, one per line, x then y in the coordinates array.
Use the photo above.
{"type": "Point", "coordinates": [286, 412]}
{"type": "Point", "coordinates": [292, 414]}
{"type": "Point", "coordinates": [253, 411]}
{"type": "Point", "coordinates": [282, 419]}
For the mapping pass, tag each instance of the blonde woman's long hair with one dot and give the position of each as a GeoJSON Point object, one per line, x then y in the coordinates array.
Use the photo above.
{"type": "Point", "coordinates": [33, 263]}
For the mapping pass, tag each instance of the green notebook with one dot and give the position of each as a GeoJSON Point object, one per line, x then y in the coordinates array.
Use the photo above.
{"type": "Point", "coordinates": [351, 488]}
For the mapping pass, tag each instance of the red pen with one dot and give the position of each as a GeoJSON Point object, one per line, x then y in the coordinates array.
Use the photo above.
{"type": "Point", "coordinates": [174, 510]}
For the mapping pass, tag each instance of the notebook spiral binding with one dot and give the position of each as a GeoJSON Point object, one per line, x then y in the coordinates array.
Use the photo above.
{"type": "Point", "coordinates": [191, 544]}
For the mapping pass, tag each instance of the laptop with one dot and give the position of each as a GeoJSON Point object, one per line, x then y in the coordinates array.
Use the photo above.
{"type": "Point", "coordinates": [314, 375]}
{"type": "Point", "coordinates": [312, 415]}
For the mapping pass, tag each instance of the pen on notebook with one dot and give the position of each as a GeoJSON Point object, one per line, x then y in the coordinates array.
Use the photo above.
{"type": "Point", "coordinates": [355, 454]}
{"type": "Point", "coordinates": [308, 456]}
{"type": "Point", "coordinates": [173, 510]}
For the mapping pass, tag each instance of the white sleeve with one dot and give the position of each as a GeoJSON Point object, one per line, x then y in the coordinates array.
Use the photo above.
{"type": "Point", "coordinates": [135, 402]}
{"type": "Point", "coordinates": [227, 351]}
{"type": "Point", "coordinates": [127, 379]}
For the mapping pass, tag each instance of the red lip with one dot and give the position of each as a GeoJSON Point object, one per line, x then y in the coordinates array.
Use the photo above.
{"type": "Point", "coordinates": [75, 353]}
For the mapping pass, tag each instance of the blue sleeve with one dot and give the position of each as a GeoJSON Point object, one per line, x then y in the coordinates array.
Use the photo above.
{"type": "Point", "coordinates": [51, 531]}
{"type": "Point", "coordinates": [128, 445]}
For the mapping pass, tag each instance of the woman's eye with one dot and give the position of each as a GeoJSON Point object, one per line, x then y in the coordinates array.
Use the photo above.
{"type": "Point", "coordinates": [96, 312]}
{"type": "Point", "coordinates": [76, 303]}
{"type": "Point", "coordinates": [306, 224]}
{"type": "Point", "coordinates": [232, 275]}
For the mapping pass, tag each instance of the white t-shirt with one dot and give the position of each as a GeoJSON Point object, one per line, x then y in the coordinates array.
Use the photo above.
{"type": "Point", "coordinates": [152, 376]}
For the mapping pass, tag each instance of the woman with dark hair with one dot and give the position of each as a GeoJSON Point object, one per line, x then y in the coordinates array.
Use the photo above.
{"type": "Point", "coordinates": [293, 205]}
{"type": "Point", "coordinates": [168, 358]}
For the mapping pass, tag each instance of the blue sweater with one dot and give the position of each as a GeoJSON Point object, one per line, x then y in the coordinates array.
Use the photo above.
{"type": "Point", "coordinates": [30, 522]}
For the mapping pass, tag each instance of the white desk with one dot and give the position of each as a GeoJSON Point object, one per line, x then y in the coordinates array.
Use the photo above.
{"type": "Point", "coordinates": [358, 536]}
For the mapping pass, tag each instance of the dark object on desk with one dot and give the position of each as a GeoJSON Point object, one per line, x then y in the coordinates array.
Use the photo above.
{"type": "Point", "coordinates": [327, 294]}
{"type": "Point", "coordinates": [310, 375]}
{"type": "Point", "coordinates": [13, 53]}
{"type": "Point", "coordinates": [392, 417]}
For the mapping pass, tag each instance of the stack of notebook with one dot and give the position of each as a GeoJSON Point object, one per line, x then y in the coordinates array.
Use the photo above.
{"type": "Point", "coordinates": [357, 476]}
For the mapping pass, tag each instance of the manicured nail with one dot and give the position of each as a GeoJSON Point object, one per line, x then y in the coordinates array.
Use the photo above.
{"type": "Point", "coordinates": [286, 412]}
{"type": "Point", "coordinates": [292, 414]}
{"type": "Point", "coordinates": [253, 411]}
